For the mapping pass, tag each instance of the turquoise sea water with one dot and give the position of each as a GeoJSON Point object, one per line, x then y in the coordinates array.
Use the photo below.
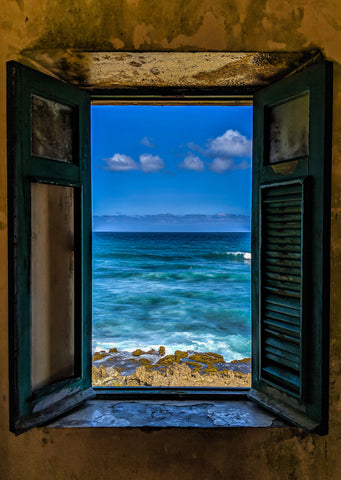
{"type": "Point", "coordinates": [186, 291]}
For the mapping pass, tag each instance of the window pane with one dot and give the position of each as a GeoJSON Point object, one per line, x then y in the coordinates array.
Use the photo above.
{"type": "Point", "coordinates": [52, 283]}
{"type": "Point", "coordinates": [52, 129]}
{"type": "Point", "coordinates": [288, 129]}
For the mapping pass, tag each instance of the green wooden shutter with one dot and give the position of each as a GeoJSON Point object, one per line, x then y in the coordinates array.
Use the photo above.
{"type": "Point", "coordinates": [290, 247]}
{"type": "Point", "coordinates": [49, 221]}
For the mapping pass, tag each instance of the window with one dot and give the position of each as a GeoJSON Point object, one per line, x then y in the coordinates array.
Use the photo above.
{"type": "Point", "coordinates": [50, 235]}
{"type": "Point", "coordinates": [171, 245]}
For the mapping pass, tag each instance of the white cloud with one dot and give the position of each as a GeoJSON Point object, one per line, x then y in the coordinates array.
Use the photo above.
{"type": "Point", "coordinates": [244, 165]}
{"type": "Point", "coordinates": [222, 165]}
{"type": "Point", "coordinates": [120, 163]}
{"type": "Point", "coordinates": [230, 144]}
{"type": "Point", "coordinates": [151, 163]}
{"type": "Point", "coordinates": [148, 143]}
{"type": "Point", "coordinates": [191, 162]}
{"type": "Point", "coordinates": [196, 148]}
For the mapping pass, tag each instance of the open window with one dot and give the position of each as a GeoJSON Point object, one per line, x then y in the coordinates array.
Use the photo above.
{"type": "Point", "coordinates": [50, 246]}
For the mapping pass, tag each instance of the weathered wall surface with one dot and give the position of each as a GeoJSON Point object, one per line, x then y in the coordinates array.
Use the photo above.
{"type": "Point", "coordinates": [160, 25]}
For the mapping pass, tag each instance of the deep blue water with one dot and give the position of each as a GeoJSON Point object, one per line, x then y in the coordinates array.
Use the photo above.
{"type": "Point", "coordinates": [186, 291]}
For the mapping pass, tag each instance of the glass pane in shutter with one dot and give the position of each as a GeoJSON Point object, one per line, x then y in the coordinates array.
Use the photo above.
{"type": "Point", "coordinates": [52, 129]}
{"type": "Point", "coordinates": [52, 284]}
{"type": "Point", "coordinates": [288, 130]}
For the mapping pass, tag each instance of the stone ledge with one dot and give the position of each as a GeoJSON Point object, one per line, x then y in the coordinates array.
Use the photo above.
{"type": "Point", "coordinates": [168, 414]}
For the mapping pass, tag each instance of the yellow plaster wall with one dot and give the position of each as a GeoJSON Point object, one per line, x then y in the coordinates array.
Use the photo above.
{"type": "Point", "coordinates": [178, 25]}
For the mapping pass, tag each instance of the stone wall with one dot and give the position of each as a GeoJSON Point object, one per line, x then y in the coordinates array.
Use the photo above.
{"type": "Point", "coordinates": [160, 25]}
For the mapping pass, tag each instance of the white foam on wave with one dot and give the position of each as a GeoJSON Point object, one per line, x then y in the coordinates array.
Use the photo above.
{"type": "Point", "coordinates": [234, 347]}
{"type": "Point", "coordinates": [245, 255]}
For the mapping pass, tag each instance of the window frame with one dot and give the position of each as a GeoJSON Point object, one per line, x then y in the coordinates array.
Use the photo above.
{"type": "Point", "coordinates": [160, 96]}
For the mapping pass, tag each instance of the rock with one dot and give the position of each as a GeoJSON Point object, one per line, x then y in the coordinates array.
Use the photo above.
{"type": "Point", "coordinates": [179, 355]}
{"type": "Point", "coordinates": [99, 355]}
{"type": "Point", "coordinates": [138, 352]}
{"type": "Point", "coordinates": [197, 367]}
{"type": "Point", "coordinates": [167, 360]}
{"type": "Point", "coordinates": [209, 357]}
{"type": "Point", "coordinates": [179, 370]}
{"type": "Point", "coordinates": [244, 360]}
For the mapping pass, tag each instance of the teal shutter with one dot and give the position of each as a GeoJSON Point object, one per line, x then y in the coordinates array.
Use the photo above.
{"type": "Point", "coordinates": [49, 221]}
{"type": "Point", "coordinates": [290, 247]}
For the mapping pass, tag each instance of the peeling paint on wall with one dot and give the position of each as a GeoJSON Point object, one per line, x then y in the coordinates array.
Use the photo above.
{"type": "Point", "coordinates": [140, 26]}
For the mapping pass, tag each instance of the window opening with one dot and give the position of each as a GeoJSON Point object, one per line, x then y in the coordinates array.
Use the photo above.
{"type": "Point", "coordinates": [171, 245]}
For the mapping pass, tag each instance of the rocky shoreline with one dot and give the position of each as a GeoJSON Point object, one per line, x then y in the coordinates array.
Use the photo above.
{"type": "Point", "coordinates": [154, 368]}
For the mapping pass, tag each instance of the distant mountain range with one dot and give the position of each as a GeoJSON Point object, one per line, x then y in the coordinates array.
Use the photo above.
{"type": "Point", "coordinates": [167, 222]}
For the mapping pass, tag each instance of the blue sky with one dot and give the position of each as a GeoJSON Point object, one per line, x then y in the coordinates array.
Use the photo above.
{"type": "Point", "coordinates": [171, 168]}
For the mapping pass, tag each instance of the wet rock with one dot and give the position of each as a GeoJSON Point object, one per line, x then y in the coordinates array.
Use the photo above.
{"type": "Point", "coordinates": [99, 355]}
{"type": "Point", "coordinates": [139, 352]}
{"type": "Point", "coordinates": [181, 369]}
{"type": "Point", "coordinates": [208, 357]}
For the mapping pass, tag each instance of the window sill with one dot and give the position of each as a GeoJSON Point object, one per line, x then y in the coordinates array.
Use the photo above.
{"type": "Point", "coordinates": [158, 414]}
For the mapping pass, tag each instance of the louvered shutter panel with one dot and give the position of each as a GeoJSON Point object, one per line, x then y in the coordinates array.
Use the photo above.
{"type": "Point", "coordinates": [282, 285]}
{"type": "Point", "coordinates": [290, 247]}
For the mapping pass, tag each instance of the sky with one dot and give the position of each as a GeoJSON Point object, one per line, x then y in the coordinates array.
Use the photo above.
{"type": "Point", "coordinates": [171, 168]}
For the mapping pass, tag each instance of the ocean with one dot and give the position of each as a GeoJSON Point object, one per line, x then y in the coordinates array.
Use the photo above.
{"type": "Point", "coordinates": [185, 291]}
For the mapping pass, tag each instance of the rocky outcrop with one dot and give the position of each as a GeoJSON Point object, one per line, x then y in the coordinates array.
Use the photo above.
{"type": "Point", "coordinates": [182, 369]}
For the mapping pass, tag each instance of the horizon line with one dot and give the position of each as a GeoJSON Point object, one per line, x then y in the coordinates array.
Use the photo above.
{"type": "Point", "coordinates": [170, 231]}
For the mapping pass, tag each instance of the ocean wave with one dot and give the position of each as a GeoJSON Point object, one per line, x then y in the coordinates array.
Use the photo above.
{"type": "Point", "coordinates": [165, 257]}
{"type": "Point", "coordinates": [234, 347]}
{"type": "Point", "coordinates": [230, 255]}
{"type": "Point", "coordinates": [188, 276]}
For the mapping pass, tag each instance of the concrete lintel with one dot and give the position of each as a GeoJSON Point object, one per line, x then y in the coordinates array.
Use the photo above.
{"type": "Point", "coordinates": [236, 71]}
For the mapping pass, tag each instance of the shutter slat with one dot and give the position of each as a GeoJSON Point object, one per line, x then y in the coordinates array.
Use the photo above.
{"type": "Point", "coordinates": [283, 377]}
{"type": "Point", "coordinates": [272, 245]}
{"type": "Point", "coordinates": [285, 217]}
{"type": "Point", "coordinates": [278, 231]}
{"type": "Point", "coordinates": [286, 262]}
{"type": "Point", "coordinates": [287, 347]}
{"type": "Point", "coordinates": [291, 191]}
{"type": "Point", "coordinates": [280, 291]}
{"type": "Point", "coordinates": [284, 318]}
{"type": "Point", "coordinates": [289, 312]}
{"type": "Point", "coordinates": [286, 278]}
{"type": "Point", "coordinates": [277, 239]}
{"type": "Point", "coordinates": [283, 286]}
{"type": "Point", "coordinates": [280, 202]}
{"type": "Point", "coordinates": [282, 222]}
{"type": "Point", "coordinates": [280, 336]}
{"type": "Point", "coordinates": [283, 302]}
{"type": "Point", "coordinates": [294, 210]}
{"type": "Point", "coordinates": [282, 270]}
{"type": "Point", "coordinates": [295, 256]}
{"type": "Point", "coordinates": [281, 327]}
{"type": "Point", "coordinates": [282, 360]}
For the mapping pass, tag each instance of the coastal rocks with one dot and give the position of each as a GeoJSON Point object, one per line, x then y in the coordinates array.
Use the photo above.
{"type": "Point", "coordinates": [99, 355]}
{"type": "Point", "coordinates": [182, 369]}
{"type": "Point", "coordinates": [139, 352]}
{"type": "Point", "coordinates": [162, 351]}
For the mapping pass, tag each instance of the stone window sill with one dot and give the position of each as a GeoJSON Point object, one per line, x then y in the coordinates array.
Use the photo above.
{"type": "Point", "coordinates": [150, 414]}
